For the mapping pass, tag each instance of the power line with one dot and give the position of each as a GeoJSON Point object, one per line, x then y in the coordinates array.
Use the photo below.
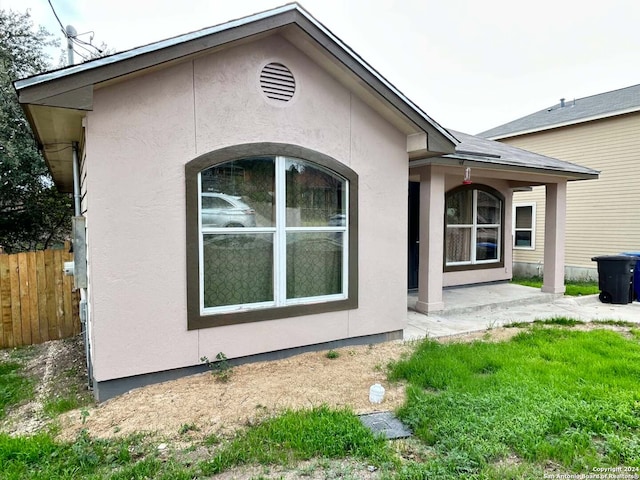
{"type": "Point", "coordinates": [78, 44]}
{"type": "Point", "coordinates": [73, 38]}
{"type": "Point", "coordinates": [57, 18]}
{"type": "Point", "coordinates": [80, 55]}
{"type": "Point", "coordinates": [89, 44]}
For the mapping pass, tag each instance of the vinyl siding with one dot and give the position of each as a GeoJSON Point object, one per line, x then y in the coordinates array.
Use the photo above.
{"type": "Point", "coordinates": [603, 215]}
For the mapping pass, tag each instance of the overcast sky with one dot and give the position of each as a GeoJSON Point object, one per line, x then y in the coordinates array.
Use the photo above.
{"type": "Point", "coordinates": [470, 64]}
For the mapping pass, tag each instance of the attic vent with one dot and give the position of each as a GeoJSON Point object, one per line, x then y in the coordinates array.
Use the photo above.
{"type": "Point", "coordinates": [277, 82]}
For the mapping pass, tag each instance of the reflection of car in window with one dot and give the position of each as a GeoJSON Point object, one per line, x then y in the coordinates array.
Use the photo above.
{"type": "Point", "coordinates": [222, 210]}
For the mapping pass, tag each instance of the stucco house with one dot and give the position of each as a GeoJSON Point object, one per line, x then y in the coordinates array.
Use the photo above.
{"type": "Point", "coordinates": [243, 189]}
{"type": "Point", "coordinates": [601, 132]}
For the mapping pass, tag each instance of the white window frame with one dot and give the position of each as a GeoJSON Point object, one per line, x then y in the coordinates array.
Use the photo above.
{"type": "Point", "coordinates": [532, 229]}
{"type": "Point", "coordinates": [474, 233]}
{"type": "Point", "coordinates": [279, 233]}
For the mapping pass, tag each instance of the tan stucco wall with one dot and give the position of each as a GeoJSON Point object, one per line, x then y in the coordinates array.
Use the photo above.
{"type": "Point", "coordinates": [139, 137]}
{"type": "Point", "coordinates": [602, 215]}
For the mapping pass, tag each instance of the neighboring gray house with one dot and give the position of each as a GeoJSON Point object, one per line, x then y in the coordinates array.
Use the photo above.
{"type": "Point", "coordinates": [602, 132]}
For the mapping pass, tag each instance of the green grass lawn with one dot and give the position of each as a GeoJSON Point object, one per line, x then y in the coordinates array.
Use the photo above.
{"type": "Point", "coordinates": [552, 400]}
{"type": "Point", "coordinates": [573, 288]}
{"type": "Point", "coordinates": [549, 398]}
{"type": "Point", "coordinates": [14, 386]}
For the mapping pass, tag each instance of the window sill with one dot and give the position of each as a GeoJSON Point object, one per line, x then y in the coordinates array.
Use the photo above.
{"type": "Point", "coordinates": [197, 321]}
{"type": "Point", "coordinates": [477, 266]}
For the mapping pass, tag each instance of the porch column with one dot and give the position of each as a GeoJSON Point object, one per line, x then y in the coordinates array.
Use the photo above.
{"type": "Point", "coordinates": [431, 240]}
{"type": "Point", "coordinates": [554, 237]}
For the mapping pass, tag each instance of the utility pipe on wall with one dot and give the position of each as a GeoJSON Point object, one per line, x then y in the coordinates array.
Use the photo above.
{"type": "Point", "coordinates": [76, 181]}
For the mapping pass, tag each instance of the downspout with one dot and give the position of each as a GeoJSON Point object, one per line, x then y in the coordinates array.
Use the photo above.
{"type": "Point", "coordinates": [76, 181]}
{"type": "Point", "coordinates": [77, 210]}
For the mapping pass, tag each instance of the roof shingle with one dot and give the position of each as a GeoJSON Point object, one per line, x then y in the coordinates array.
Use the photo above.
{"type": "Point", "coordinates": [490, 152]}
{"type": "Point", "coordinates": [579, 110]}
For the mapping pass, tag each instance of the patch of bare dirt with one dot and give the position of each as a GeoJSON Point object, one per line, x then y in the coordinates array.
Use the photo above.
{"type": "Point", "coordinates": [202, 405]}
{"type": "Point", "coordinates": [57, 367]}
{"type": "Point", "coordinates": [253, 392]}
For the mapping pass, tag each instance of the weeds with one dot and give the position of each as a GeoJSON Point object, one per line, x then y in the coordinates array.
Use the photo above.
{"type": "Point", "coordinates": [516, 325]}
{"type": "Point", "coordinates": [220, 367]}
{"type": "Point", "coordinates": [562, 321]}
{"type": "Point", "coordinates": [616, 323]}
{"type": "Point", "coordinates": [301, 435]}
{"type": "Point", "coordinates": [14, 387]}
{"type": "Point", "coordinates": [187, 427]}
{"type": "Point", "coordinates": [39, 456]}
{"type": "Point", "coordinates": [332, 354]}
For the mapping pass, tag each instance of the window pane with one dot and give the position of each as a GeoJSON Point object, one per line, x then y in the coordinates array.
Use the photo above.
{"type": "Point", "coordinates": [524, 216]}
{"type": "Point", "coordinates": [459, 208]}
{"type": "Point", "coordinates": [487, 244]}
{"type": "Point", "coordinates": [314, 264]}
{"type": "Point", "coordinates": [488, 208]}
{"type": "Point", "coordinates": [523, 238]}
{"type": "Point", "coordinates": [315, 196]}
{"type": "Point", "coordinates": [240, 193]}
{"type": "Point", "coordinates": [458, 245]}
{"type": "Point", "coordinates": [238, 269]}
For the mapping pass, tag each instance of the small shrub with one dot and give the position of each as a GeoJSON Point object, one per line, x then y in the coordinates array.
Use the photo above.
{"type": "Point", "coordinates": [187, 427]}
{"type": "Point", "coordinates": [332, 354]}
{"type": "Point", "coordinates": [220, 367]}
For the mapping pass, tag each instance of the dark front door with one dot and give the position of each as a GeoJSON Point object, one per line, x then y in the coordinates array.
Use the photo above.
{"type": "Point", "coordinates": [414, 233]}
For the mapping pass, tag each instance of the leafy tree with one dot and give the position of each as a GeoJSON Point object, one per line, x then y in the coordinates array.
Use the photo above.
{"type": "Point", "coordinates": [33, 214]}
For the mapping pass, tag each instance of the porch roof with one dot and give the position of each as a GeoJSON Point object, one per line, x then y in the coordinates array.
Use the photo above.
{"type": "Point", "coordinates": [473, 151]}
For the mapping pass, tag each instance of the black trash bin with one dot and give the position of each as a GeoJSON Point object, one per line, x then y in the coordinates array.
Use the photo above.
{"type": "Point", "coordinates": [615, 278]}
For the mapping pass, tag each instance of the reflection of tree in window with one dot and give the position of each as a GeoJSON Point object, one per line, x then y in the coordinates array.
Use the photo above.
{"type": "Point", "coordinates": [315, 192]}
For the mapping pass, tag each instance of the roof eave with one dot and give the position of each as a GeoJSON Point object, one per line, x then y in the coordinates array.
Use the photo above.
{"type": "Point", "coordinates": [568, 123]}
{"type": "Point", "coordinates": [49, 88]}
{"type": "Point", "coordinates": [478, 161]}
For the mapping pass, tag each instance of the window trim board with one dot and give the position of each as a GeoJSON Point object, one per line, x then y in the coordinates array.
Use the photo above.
{"type": "Point", "coordinates": [483, 264]}
{"type": "Point", "coordinates": [197, 320]}
{"type": "Point", "coordinates": [532, 229]}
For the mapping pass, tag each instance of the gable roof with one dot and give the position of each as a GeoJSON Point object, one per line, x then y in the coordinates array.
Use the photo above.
{"type": "Point", "coordinates": [603, 105]}
{"type": "Point", "coordinates": [474, 151]}
{"type": "Point", "coordinates": [65, 94]}
{"type": "Point", "coordinates": [55, 102]}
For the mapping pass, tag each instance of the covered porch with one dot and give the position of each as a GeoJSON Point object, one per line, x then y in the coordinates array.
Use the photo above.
{"type": "Point", "coordinates": [467, 239]}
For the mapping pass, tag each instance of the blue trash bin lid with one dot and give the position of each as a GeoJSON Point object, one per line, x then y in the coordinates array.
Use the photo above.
{"type": "Point", "coordinates": [633, 254]}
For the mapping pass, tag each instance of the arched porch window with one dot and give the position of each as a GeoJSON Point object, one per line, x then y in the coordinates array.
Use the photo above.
{"type": "Point", "coordinates": [474, 215]}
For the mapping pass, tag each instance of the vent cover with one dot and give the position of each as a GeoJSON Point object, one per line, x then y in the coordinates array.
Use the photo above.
{"type": "Point", "coordinates": [277, 82]}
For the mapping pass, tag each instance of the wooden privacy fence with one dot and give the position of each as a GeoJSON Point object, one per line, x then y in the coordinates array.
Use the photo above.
{"type": "Point", "coordinates": [37, 301]}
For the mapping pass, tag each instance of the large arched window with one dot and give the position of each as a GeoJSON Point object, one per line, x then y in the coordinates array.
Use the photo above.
{"type": "Point", "coordinates": [273, 235]}
{"type": "Point", "coordinates": [474, 217]}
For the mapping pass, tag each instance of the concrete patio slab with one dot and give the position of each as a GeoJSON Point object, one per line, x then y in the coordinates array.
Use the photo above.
{"type": "Point", "coordinates": [470, 309]}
